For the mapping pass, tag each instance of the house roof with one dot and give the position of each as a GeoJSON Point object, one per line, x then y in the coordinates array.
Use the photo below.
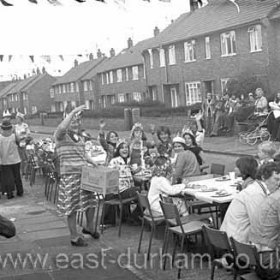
{"type": "Point", "coordinates": [128, 57]}
{"type": "Point", "coordinates": [20, 85]}
{"type": "Point", "coordinates": [4, 91]}
{"type": "Point", "coordinates": [95, 70]}
{"type": "Point", "coordinates": [217, 15]}
{"type": "Point", "coordinates": [77, 72]}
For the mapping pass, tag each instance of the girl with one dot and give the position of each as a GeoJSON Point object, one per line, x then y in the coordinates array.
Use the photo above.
{"type": "Point", "coordinates": [109, 143]}
{"type": "Point", "coordinates": [161, 185]}
{"type": "Point", "coordinates": [126, 184]}
{"type": "Point", "coordinates": [10, 160]}
{"type": "Point", "coordinates": [185, 162]}
{"type": "Point", "coordinates": [192, 146]}
{"type": "Point", "coordinates": [22, 131]}
{"type": "Point", "coordinates": [162, 140]}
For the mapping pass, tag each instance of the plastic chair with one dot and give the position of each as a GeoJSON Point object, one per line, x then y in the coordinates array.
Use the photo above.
{"type": "Point", "coordinates": [252, 258]}
{"type": "Point", "coordinates": [148, 218]}
{"type": "Point", "coordinates": [217, 169]}
{"type": "Point", "coordinates": [118, 203]}
{"type": "Point", "coordinates": [180, 230]}
{"type": "Point", "coordinates": [217, 240]}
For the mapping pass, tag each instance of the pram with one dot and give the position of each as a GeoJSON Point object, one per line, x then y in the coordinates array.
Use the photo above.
{"type": "Point", "coordinates": [257, 129]}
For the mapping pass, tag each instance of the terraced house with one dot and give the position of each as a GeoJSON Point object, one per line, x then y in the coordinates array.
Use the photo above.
{"type": "Point", "coordinates": [76, 87]}
{"type": "Point", "coordinates": [201, 50]}
{"type": "Point", "coordinates": [29, 96]}
{"type": "Point", "coordinates": [122, 76]}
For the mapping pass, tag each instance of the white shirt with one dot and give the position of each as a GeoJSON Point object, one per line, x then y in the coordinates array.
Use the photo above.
{"type": "Point", "coordinates": [199, 138]}
{"type": "Point", "coordinates": [161, 185]}
{"type": "Point", "coordinates": [241, 211]}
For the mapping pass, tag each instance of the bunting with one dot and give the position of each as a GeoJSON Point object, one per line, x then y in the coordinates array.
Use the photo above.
{"type": "Point", "coordinates": [10, 57]}
{"type": "Point", "coordinates": [1, 57]}
{"type": "Point", "coordinates": [32, 58]}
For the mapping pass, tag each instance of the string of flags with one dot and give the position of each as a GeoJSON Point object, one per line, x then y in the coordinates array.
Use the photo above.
{"type": "Point", "coordinates": [59, 3]}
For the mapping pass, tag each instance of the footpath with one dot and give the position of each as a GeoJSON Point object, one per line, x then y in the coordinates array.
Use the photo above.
{"type": "Point", "coordinates": [220, 145]}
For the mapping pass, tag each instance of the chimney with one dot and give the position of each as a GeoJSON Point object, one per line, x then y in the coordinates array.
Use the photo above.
{"type": "Point", "coordinates": [76, 63]}
{"type": "Point", "coordinates": [112, 52]}
{"type": "Point", "coordinates": [90, 56]}
{"type": "Point", "coordinates": [129, 43]}
{"type": "Point", "coordinates": [24, 76]}
{"type": "Point", "coordinates": [38, 71]}
{"type": "Point", "coordinates": [43, 70]}
{"type": "Point", "coordinates": [156, 31]}
{"type": "Point", "coordinates": [99, 53]}
{"type": "Point", "coordinates": [194, 4]}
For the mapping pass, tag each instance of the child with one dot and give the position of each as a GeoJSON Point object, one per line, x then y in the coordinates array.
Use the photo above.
{"type": "Point", "coordinates": [109, 143]}
{"type": "Point", "coordinates": [162, 140]}
{"type": "Point", "coordinates": [10, 160]}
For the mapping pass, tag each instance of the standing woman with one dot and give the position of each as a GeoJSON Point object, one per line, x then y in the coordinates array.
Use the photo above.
{"type": "Point", "coordinates": [185, 164]}
{"type": "Point", "coordinates": [273, 121]}
{"type": "Point", "coordinates": [22, 132]}
{"type": "Point", "coordinates": [70, 149]}
{"type": "Point", "coordinates": [10, 160]}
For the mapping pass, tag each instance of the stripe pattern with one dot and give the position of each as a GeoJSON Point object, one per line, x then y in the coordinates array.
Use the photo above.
{"type": "Point", "coordinates": [71, 198]}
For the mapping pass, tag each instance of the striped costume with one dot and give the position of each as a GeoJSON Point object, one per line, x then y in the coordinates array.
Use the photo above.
{"type": "Point", "coordinates": [71, 153]}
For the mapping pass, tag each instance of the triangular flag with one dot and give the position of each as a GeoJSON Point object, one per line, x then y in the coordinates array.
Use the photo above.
{"type": "Point", "coordinates": [32, 58]}
{"type": "Point", "coordinates": [61, 57]}
{"type": "Point", "coordinates": [1, 57]}
{"type": "Point", "coordinates": [54, 2]}
{"type": "Point", "coordinates": [47, 58]}
{"type": "Point", "coordinates": [33, 1]}
{"type": "Point", "coordinates": [10, 57]}
{"type": "Point", "coordinates": [81, 1]}
{"type": "Point", "coordinates": [3, 2]}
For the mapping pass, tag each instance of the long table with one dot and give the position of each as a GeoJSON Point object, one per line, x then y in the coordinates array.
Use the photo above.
{"type": "Point", "coordinates": [207, 191]}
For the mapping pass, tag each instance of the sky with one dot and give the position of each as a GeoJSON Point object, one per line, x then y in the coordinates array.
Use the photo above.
{"type": "Point", "coordinates": [74, 29]}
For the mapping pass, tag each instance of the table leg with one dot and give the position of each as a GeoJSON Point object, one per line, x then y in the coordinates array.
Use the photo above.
{"type": "Point", "coordinates": [99, 210]}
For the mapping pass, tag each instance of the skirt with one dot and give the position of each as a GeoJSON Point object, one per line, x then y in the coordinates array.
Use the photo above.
{"type": "Point", "coordinates": [71, 198]}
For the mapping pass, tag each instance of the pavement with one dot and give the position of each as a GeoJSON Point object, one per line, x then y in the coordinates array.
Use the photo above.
{"type": "Point", "coordinates": [220, 145]}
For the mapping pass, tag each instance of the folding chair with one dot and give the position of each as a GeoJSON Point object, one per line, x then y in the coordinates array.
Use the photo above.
{"type": "Point", "coordinates": [148, 218]}
{"type": "Point", "coordinates": [180, 230]}
{"type": "Point", "coordinates": [217, 241]}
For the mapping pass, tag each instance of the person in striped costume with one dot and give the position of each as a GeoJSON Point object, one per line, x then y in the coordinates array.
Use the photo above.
{"type": "Point", "coordinates": [70, 149]}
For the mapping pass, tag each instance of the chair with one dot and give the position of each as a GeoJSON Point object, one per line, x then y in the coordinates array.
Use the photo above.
{"type": "Point", "coordinates": [149, 219]}
{"type": "Point", "coordinates": [180, 230]}
{"type": "Point", "coordinates": [217, 169]}
{"type": "Point", "coordinates": [217, 240]}
{"type": "Point", "coordinates": [117, 203]}
{"type": "Point", "coordinates": [252, 258]}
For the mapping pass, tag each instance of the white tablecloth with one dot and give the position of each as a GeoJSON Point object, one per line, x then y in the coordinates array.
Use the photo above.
{"type": "Point", "coordinates": [228, 185]}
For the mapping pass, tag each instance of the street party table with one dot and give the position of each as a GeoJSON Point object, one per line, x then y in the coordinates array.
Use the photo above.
{"type": "Point", "coordinates": [217, 191]}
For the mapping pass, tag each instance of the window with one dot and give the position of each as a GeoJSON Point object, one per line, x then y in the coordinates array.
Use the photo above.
{"type": "Point", "coordinates": [73, 104]}
{"type": "Point", "coordinates": [207, 48]}
{"type": "Point", "coordinates": [107, 78]}
{"type": "Point", "coordinates": [87, 104]}
{"type": "Point", "coordinates": [102, 79]}
{"type": "Point", "coordinates": [24, 96]}
{"type": "Point", "coordinates": [136, 96]}
{"type": "Point", "coordinates": [190, 54]}
{"type": "Point", "coordinates": [174, 97]}
{"type": "Point", "coordinates": [51, 93]}
{"type": "Point", "coordinates": [59, 89]}
{"type": "Point", "coordinates": [85, 86]}
{"type": "Point", "coordinates": [61, 107]}
{"type": "Point", "coordinates": [119, 75]}
{"type": "Point", "coordinates": [255, 36]}
{"type": "Point", "coordinates": [77, 87]}
{"type": "Point", "coordinates": [161, 58]}
{"type": "Point", "coordinates": [121, 98]}
{"type": "Point", "coordinates": [33, 109]}
{"type": "Point", "coordinates": [228, 45]}
{"type": "Point", "coordinates": [154, 93]}
{"type": "Point", "coordinates": [111, 77]}
{"type": "Point", "coordinates": [224, 84]}
{"type": "Point", "coordinates": [12, 98]}
{"type": "Point", "coordinates": [113, 99]}
{"type": "Point", "coordinates": [64, 88]}
{"type": "Point", "coordinates": [68, 88]}
{"type": "Point", "coordinates": [90, 85]}
{"type": "Point", "coordinates": [52, 108]}
{"type": "Point", "coordinates": [16, 97]}
{"type": "Point", "coordinates": [56, 90]}
{"type": "Point", "coordinates": [13, 110]}
{"type": "Point", "coordinates": [171, 55]}
{"type": "Point", "coordinates": [126, 74]}
{"type": "Point", "coordinates": [151, 58]}
{"type": "Point", "coordinates": [135, 73]}
{"type": "Point", "coordinates": [193, 93]}
{"type": "Point", "coordinates": [25, 110]}
{"type": "Point", "coordinates": [72, 87]}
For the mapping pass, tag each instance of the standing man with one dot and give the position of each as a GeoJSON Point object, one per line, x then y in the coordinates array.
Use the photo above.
{"type": "Point", "coordinates": [208, 108]}
{"type": "Point", "coordinates": [261, 102]}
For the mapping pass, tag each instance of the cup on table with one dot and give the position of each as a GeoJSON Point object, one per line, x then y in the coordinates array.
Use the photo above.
{"type": "Point", "coordinates": [231, 175]}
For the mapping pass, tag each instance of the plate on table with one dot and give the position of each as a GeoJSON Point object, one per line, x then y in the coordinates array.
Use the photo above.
{"type": "Point", "coordinates": [224, 178]}
{"type": "Point", "coordinates": [221, 194]}
{"type": "Point", "coordinates": [209, 190]}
